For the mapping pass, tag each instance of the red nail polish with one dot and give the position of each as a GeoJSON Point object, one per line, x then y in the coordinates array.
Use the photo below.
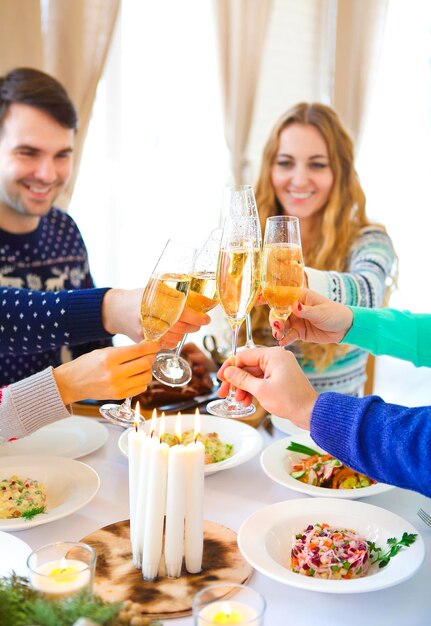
{"type": "Point", "coordinates": [277, 325]}
{"type": "Point", "coordinates": [299, 306]}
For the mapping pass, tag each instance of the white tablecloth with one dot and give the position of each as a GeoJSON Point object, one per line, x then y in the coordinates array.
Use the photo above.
{"type": "Point", "coordinates": [230, 497]}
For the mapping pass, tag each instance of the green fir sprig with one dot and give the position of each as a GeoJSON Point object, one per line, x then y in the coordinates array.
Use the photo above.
{"type": "Point", "coordinates": [20, 605]}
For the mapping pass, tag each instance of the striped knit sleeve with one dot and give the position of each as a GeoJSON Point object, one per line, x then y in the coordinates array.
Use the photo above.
{"type": "Point", "coordinates": [30, 404]}
{"type": "Point", "coordinates": [370, 264]}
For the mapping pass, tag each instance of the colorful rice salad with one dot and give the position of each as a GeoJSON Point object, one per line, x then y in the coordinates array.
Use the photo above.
{"type": "Point", "coordinates": [20, 497]}
{"type": "Point", "coordinates": [323, 470]}
{"type": "Point", "coordinates": [332, 553]}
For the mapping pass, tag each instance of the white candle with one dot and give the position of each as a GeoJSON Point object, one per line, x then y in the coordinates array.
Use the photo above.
{"type": "Point", "coordinates": [135, 441]}
{"type": "Point", "coordinates": [175, 505]}
{"type": "Point", "coordinates": [194, 522]}
{"type": "Point", "coordinates": [155, 509]}
{"type": "Point", "coordinates": [232, 612]}
{"type": "Point", "coordinates": [141, 500]}
{"type": "Point", "coordinates": [60, 578]}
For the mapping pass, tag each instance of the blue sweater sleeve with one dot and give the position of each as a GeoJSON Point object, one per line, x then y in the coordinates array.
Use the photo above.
{"type": "Point", "coordinates": [33, 321]}
{"type": "Point", "coordinates": [389, 443]}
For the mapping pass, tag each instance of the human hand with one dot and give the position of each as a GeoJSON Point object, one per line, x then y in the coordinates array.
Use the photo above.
{"type": "Point", "coordinates": [107, 373]}
{"type": "Point", "coordinates": [314, 319]}
{"type": "Point", "coordinates": [274, 378]}
{"type": "Point", "coordinates": [189, 322]}
{"type": "Point", "coordinates": [121, 312]}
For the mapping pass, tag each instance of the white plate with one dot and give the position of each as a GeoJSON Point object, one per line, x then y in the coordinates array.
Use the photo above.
{"type": "Point", "coordinates": [70, 485]}
{"type": "Point", "coordinates": [72, 438]}
{"type": "Point", "coordinates": [265, 540]}
{"type": "Point", "coordinates": [246, 441]}
{"type": "Point", "coordinates": [286, 426]}
{"type": "Point", "coordinates": [14, 553]}
{"type": "Point", "coordinates": [277, 463]}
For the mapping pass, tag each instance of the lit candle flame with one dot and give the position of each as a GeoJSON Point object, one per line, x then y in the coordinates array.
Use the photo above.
{"type": "Point", "coordinates": [197, 430]}
{"type": "Point", "coordinates": [153, 422]}
{"type": "Point", "coordinates": [178, 430]}
{"type": "Point", "coordinates": [137, 416]}
{"type": "Point", "coordinates": [63, 563]}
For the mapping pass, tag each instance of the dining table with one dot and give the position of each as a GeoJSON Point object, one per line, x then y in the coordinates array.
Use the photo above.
{"type": "Point", "coordinates": [230, 497]}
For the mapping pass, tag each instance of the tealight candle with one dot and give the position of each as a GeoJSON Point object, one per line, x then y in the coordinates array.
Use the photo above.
{"type": "Point", "coordinates": [62, 569]}
{"type": "Point", "coordinates": [211, 606]}
{"type": "Point", "coordinates": [228, 613]}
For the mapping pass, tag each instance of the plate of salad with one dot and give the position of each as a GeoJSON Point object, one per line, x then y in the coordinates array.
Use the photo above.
{"type": "Point", "coordinates": [331, 546]}
{"type": "Point", "coordinates": [298, 463]}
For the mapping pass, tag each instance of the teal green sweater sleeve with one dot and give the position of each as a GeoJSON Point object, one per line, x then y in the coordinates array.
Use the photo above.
{"type": "Point", "coordinates": [400, 334]}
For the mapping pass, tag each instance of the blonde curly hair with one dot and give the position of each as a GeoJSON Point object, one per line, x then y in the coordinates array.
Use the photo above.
{"type": "Point", "coordinates": [341, 219]}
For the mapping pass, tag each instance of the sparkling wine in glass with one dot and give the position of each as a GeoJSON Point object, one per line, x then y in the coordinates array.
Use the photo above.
{"type": "Point", "coordinates": [238, 283]}
{"type": "Point", "coordinates": [282, 265]}
{"type": "Point", "coordinates": [172, 369]}
{"type": "Point", "coordinates": [240, 200]}
{"type": "Point", "coordinates": [163, 301]}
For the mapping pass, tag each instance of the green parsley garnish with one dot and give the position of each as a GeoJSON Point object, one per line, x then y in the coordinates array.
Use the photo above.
{"type": "Point", "coordinates": [395, 545]}
{"type": "Point", "coordinates": [33, 512]}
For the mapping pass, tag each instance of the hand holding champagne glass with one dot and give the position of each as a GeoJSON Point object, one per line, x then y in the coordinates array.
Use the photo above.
{"type": "Point", "coordinates": [282, 265]}
{"type": "Point", "coordinates": [172, 369]}
{"type": "Point", "coordinates": [238, 283]}
{"type": "Point", "coordinates": [163, 301]}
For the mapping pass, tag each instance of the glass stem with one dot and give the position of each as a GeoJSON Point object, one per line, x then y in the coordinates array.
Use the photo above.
{"type": "Point", "coordinates": [230, 398]}
{"type": "Point", "coordinates": [180, 346]}
{"type": "Point", "coordinates": [249, 334]}
{"type": "Point", "coordinates": [126, 406]}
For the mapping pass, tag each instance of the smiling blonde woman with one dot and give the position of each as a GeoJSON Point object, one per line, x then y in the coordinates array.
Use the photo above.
{"type": "Point", "coordinates": [308, 171]}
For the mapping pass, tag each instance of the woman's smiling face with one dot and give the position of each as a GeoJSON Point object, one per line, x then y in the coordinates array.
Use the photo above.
{"type": "Point", "coordinates": [301, 173]}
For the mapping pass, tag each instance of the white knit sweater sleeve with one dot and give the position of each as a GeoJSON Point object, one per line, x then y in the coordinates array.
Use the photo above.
{"type": "Point", "coordinates": [30, 404]}
{"type": "Point", "coordinates": [369, 266]}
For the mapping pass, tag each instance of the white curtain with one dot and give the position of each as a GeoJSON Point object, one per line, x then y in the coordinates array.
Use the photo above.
{"type": "Point", "coordinates": [241, 27]}
{"type": "Point", "coordinates": [68, 39]}
{"type": "Point", "coordinates": [359, 35]}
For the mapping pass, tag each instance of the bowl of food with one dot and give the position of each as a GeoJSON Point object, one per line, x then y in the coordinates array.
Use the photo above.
{"type": "Point", "coordinates": [40, 489]}
{"type": "Point", "coordinates": [298, 463]}
{"type": "Point", "coordinates": [228, 443]}
{"type": "Point", "coordinates": [331, 546]}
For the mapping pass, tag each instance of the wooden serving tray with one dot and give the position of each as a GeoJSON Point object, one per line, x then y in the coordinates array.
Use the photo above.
{"type": "Point", "coordinates": [116, 580]}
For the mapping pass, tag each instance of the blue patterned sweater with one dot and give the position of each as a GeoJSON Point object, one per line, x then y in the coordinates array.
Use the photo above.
{"type": "Point", "coordinates": [52, 258]}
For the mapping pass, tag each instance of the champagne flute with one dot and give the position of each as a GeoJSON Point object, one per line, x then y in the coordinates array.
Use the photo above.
{"type": "Point", "coordinates": [238, 282]}
{"type": "Point", "coordinates": [240, 200]}
{"type": "Point", "coordinates": [172, 369]}
{"type": "Point", "coordinates": [282, 265]}
{"type": "Point", "coordinates": [163, 301]}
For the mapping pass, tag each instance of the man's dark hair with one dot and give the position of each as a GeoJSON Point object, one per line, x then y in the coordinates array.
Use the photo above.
{"type": "Point", "coordinates": [26, 85]}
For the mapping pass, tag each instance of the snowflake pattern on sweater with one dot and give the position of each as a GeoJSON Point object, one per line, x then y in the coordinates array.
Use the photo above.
{"type": "Point", "coordinates": [51, 258]}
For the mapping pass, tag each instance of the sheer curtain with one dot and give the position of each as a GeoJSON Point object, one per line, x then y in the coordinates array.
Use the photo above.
{"type": "Point", "coordinates": [156, 162]}
{"type": "Point", "coordinates": [241, 28]}
{"type": "Point", "coordinates": [359, 35]}
{"type": "Point", "coordinates": [67, 39]}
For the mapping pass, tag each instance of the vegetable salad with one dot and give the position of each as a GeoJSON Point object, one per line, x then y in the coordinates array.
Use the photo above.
{"type": "Point", "coordinates": [333, 553]}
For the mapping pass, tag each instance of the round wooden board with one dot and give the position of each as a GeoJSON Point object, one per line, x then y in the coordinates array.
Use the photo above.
{"type": "Point", "coordinates": [117, 580]}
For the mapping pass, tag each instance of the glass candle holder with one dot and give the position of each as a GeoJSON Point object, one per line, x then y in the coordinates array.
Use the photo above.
{"type": "Point", "coordinates": [62, 569]}
{"type": "Point", "coordinates": [228, 603]}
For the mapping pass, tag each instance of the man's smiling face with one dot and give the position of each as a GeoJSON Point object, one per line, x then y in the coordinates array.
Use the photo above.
{"type": "Point", "coordinates": [35, 161]}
